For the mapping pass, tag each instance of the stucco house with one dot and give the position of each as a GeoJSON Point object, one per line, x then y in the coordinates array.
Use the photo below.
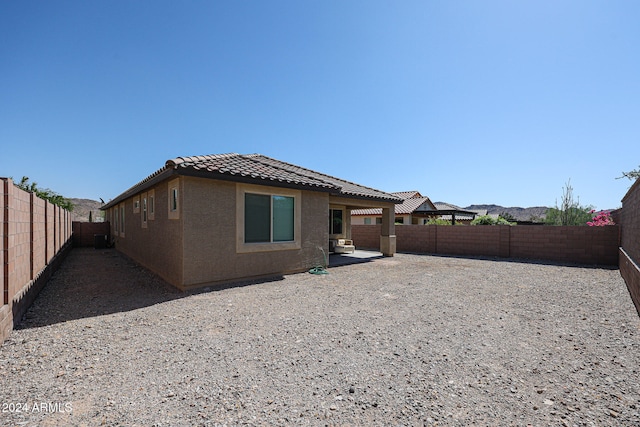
{"type": "Point", "coordinates": [207, 220]}
{"type": "Point", "coordinates": [458, 215]}
{"type": "Point", "coordinates": [414, 209]}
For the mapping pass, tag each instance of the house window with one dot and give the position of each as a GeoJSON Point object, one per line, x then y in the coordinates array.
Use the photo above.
{"type": "Point", "coordinates": [399, 220]}
{"type": "Point", "coordinates": [367, 221]}
{"type": "Point", "coordinates": [136, 205]}
{"type": "Point", "coordinates": [378, 221]}
{"type": "Point", "coordinates": [152, 206]}
{"type": "Point", "coordinates": [268, 218]}
{"type": "Point", "coordinates": [174, 199]}
{"type": "Point", "coordinates": [144, 211]}
{"type": "Point", "coordinates": [115, 220]}
{"type": "Point", "coordinates": [122, 220]}
{"type": "Point", "coordinates": [335, 221]}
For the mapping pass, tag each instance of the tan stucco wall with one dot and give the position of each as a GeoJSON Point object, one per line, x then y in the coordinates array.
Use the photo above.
{"type": "Point", "coordinates": [210, 252]}
{"type": "Point", "coordinates": [158, 246]}
{"type": "Point", "coordinates": [197, 245]}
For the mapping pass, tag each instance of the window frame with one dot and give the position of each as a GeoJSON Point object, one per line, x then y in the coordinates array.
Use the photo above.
{"type": "Point", "coordinates": [244, 247]}
{"type": "Point", "coordinates": [152, 205]}
{"type": "Point", "coordinates": [342, 220]}
{"type": "Point", "coordinates": [145, 211]}
{"type": "Point", "coordinates": [122, 219]}
{"type": "Point", "coordinates": [173, 202]}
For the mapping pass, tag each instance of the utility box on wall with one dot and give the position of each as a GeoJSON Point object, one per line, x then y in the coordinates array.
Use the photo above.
{"type": "Point", "coordinates": [99, 241]}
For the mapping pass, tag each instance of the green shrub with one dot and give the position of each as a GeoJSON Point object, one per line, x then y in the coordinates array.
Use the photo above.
{"type": "Point", "coordinates": [440, 221]}
{"type": "Point", "coordinates": [489, 220]}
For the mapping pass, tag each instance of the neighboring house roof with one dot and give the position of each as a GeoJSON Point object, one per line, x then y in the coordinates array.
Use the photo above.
{"type": "Point", "coordinates": [446, 206]}
{"type": "Point", "coordinates": [256, 169]}
{"type": "Point", "coordinates": [461, 214]}
{"type": "Point", "coordinates": [407, 194]}
{"type": "Point", "coordinates": [412, 202]}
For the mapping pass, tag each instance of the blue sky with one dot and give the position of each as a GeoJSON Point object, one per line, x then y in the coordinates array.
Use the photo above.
{"type": "Point", "coordinates": [467, 102]}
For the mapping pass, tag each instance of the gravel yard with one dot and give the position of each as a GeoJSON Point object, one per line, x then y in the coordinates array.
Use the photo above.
{"type": "Point", "coordinates": [409, 340]}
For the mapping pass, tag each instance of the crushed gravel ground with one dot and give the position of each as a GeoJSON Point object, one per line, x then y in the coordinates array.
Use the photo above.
{"type": "Point", "coordinates": [409, 340]}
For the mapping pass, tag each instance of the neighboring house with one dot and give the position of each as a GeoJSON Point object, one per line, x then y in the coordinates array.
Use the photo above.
{"type": "Point", "coordinates": [207, 220]}
{"type": "Point", "coordinates": [456, 214]}
{"type": "Point", "coordinates": [414, 209]}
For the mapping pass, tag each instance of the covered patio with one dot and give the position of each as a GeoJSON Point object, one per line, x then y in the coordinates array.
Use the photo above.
{"type": "Point", "coordinates": [340, 220]}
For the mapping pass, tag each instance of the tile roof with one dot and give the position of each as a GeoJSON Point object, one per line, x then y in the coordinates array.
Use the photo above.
{"type": "Point", "coordinates": [257, 169]}
{"type": "Point", "coordinates": [412, 200]}
{"type": "Point", "coordinates": [447, 206]}
{"type": "Point", "coordinates": [407, 194]}
{"type": "Point", "coordinates": [461, 213]}
{"type": "Point", "coordinates": [249, 167]}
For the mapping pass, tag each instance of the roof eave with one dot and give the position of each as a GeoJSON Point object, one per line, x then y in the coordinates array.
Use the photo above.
{"type": "Point", "coordinates": [150, 182]}
{"type": "Point", "coordinates": [203, 173]}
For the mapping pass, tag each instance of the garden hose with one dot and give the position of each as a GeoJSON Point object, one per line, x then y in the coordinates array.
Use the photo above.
{"type": "Point", "coordinates": [321, 269]}
{"type": "Point", "coordinates": [318, 270]}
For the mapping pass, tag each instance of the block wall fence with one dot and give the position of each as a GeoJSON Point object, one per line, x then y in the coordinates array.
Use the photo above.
{"type": "Point", "coordinates": [629, 219]}
{"type": "Point", "coordinates": [579, 244]}
{"type": "Point", "coordinates": [84, 232]}
{"type": "Point", "coordinates": [35, 235]}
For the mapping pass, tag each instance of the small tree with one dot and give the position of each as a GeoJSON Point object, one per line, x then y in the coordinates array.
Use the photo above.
{"type": "Point", "coordinates": [45, 193]}
{"type": "Point", "coordinates": [632, 175]}
{"type": "Point", "coordinates": [507, 217]}
{"type": "Point", "coordinates": [570, 212]}
{"type": "Point", "coordinates": [536, 218]}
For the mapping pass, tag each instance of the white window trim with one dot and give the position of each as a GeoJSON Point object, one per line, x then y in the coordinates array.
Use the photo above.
{"type": "Point", "coordinates": [241, 246]}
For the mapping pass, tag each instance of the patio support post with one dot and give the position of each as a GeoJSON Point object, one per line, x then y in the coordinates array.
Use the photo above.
{"type": "Point", "coordinates": [388, 232]}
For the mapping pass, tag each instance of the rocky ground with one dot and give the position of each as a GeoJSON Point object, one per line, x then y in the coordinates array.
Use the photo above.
{"type": "Point", "coordinates": [410, 340]}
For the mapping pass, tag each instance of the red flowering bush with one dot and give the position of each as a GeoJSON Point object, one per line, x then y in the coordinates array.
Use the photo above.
{"type": "Point", "coordinates": [601, 219]}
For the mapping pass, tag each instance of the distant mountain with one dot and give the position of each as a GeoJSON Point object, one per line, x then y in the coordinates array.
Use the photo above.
{"type": "Point", "coordinates": [82, 207]}
{"type": "Point", "coordinates": [521, 214]}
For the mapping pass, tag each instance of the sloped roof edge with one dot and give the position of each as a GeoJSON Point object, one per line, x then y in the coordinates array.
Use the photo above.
{"type": "Point", "coordinates": [257, 169]}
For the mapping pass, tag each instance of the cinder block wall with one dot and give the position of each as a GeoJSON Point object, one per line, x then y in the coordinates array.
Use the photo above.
{"type": "Point", "coordinates": [368, 236]}
{"type": "Point", "coordinates": [580, 244]}
{"type": "Point", "coordinates": [6, 317]}
{"type": "Point", "coordinates": [84, 232]}
{"type": "Point", "coordinates": [629, 219]}
{"type": "Point", "coordinates": [34, 237]}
